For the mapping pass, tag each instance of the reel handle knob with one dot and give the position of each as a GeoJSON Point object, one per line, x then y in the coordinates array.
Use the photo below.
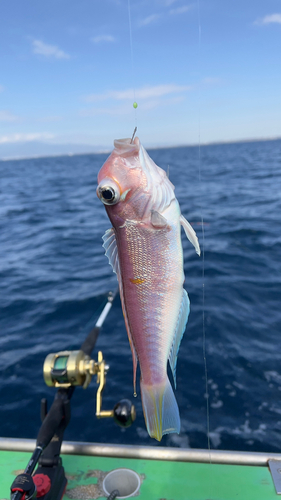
{"type": "Point", "coordinates": [124, 413]}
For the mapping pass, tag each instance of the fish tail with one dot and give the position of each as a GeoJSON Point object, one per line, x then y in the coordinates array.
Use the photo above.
{"type": "Point", "coordinates": [160, 409]}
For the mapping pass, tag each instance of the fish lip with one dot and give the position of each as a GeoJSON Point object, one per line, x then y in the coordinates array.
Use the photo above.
{"type": "Point", "coordinates": [125, 148]}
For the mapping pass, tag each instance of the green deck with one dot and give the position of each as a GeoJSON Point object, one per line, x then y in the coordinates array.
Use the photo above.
{"type": "Point", "coordinates": [161, 480]}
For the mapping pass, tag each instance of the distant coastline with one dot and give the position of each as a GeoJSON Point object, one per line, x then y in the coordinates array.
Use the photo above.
{"type": "Point", "coordinates": [35, 149]}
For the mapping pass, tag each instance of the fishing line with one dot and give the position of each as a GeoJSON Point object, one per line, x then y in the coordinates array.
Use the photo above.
{"type": "Point", "coordinates": [203, 248]}
{"type": "Point", "coordinates": [135, 105]}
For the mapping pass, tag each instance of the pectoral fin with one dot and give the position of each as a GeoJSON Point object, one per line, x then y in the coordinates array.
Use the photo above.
{"type": "Point", "coordinates": [157, 220]}
{"type": "Point", "coordinates": [179, 331]}
{"type": "Point", "coordinates": [111, 251]}
{"type": "Point", "coordinates": [190, 234]}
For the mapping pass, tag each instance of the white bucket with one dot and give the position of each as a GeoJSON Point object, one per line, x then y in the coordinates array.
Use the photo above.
{"type": "Point", "coordinates": [126, 481]}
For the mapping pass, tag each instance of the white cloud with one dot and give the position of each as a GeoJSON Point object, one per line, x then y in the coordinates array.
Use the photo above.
{"type": "Point", "coordinates": [180, 10]}
{"type": "Point", "coordinates": [25, 137]}
{"type": "Point", "coordinates": [6, 116]}
{"type": "Point", "coordinates": [121, 110]}
{"type": "Point", "coordinates": [150, 19]}
{"type": "Point", "coordinates": [155, 103]}
{"type": "Point", "coordinates": [46, 50]}
{"type": "Point", "coordinates": [50, 118]}
{"type": "Point", "coordinates": [211, 80]}
{"type": "Point", "coordinates": [103, 38]}
{"type": "Point", "coordinates": [124, 109]}
{"type": "Point", "coordinates": [141, 93]}
{"type": "Point", "coordinates": [116, 110]}
{"type": "Point", "coordinates": [269, 19]}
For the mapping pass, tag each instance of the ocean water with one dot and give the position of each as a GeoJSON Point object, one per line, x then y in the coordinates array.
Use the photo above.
{"type": "Point", "coordinates": [55, 279]}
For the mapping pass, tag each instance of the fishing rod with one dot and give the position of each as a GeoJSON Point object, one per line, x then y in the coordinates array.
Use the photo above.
{"type": "Point", "coordinates": [65, 370]}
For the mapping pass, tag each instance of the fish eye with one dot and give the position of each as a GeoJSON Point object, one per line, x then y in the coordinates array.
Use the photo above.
{"type": "Point", "coordinates": [108, 195]}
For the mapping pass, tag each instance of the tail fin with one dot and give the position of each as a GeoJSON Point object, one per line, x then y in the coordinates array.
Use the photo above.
{"type": "Point", "coordinates": [160, 409]}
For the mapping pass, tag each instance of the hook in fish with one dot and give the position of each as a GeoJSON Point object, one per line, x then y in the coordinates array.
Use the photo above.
{"type": "Point", "coordinates": [133, 135]}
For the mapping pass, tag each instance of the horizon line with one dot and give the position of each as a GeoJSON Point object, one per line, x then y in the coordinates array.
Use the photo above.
{"type": "Point", "coordinates": [106, 150]}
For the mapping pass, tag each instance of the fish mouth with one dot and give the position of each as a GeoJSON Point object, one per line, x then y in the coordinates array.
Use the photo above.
{"type": "Point", "coordinates": [125, 147]}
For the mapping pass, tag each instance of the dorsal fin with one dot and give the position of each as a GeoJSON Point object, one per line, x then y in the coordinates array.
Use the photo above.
{"type": "Point", "coordinates": [111, 251]}
{"type": "Point", "coordinates": [179, 331]}
{"type": "Point", "coordinates": [160, 189]}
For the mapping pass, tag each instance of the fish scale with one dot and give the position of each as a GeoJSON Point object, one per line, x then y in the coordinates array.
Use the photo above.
{"type": "Point", "coordinates": [140, 296]}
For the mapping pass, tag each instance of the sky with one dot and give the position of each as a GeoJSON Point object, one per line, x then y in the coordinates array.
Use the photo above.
{"type": "Point", "coordinates": [207, 71]}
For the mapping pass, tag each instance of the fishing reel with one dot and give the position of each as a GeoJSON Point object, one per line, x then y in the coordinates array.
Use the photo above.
{"type": "Point", "coordinates": [75, 368]}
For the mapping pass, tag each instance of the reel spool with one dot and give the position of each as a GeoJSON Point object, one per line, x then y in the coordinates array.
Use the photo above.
{"type": "Point", "coordinates": [75, 368]}
{"type": "Point", "coordinates": [67, 368]}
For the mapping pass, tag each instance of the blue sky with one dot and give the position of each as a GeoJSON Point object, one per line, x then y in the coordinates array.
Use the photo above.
{"type": "Point", "coordinates": [66, 72]}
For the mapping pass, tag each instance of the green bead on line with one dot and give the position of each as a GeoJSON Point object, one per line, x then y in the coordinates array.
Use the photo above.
{"type": "Point", "coordinates": [135, 105]}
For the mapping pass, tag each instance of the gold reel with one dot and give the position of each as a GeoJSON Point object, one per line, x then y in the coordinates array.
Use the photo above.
{"type": "Point", "coordinates": [75, 368]}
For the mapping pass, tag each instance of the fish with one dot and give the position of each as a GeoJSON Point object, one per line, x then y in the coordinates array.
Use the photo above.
{"type": "Point", "coordinates": [145, 251]}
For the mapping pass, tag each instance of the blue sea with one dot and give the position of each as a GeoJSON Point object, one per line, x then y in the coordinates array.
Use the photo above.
{"type": "Point", "coordinates": [55, 279]}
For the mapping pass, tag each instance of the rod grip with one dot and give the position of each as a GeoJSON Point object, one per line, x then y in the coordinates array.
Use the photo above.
{"type": "Point", "coordinates": [51, 423]}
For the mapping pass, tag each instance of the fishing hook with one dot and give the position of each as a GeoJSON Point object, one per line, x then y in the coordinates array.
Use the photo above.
{"type": "Point", "coordinates": [133, 135]}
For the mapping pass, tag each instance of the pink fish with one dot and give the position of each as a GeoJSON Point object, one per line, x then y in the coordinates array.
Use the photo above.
{"type": "Point", "coordinates": [145, 251]}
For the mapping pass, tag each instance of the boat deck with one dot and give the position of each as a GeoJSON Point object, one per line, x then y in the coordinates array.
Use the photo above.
{"type": "Point", "coordinates": [171, 477]}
